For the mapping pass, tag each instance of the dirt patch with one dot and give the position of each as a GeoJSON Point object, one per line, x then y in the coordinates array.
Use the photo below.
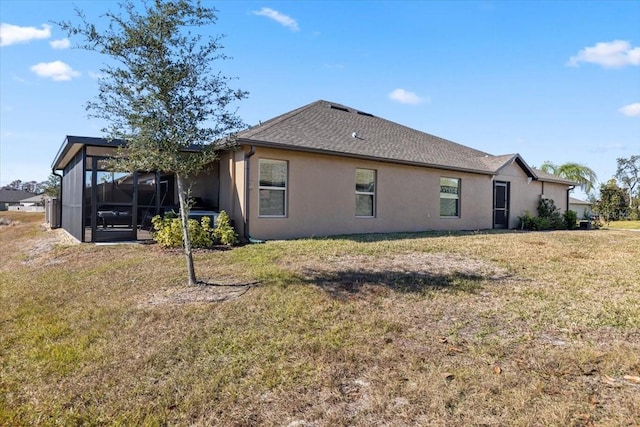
{"type": "Point", "coordinates": [40, 249]}
{"type": "Point", "coordinates": [196, 294]}
{"type": "Point", "coordinates": [7, 222]}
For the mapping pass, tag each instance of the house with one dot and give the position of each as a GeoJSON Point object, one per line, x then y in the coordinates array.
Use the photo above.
{"type": "Point", "coordinates": [12, 196]}
{"type": "Point", "coordinates": [322, 169]}
{"type": "Point", "coordinates": [30, 204]}
{"type": "Point", "coordinates": [581, 207]}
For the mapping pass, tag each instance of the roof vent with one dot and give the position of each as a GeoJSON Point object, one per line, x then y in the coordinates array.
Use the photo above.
{"type": "Point", "coordinates": [362, 113]}
{"type": "Point", "coordinates": [335, 107]}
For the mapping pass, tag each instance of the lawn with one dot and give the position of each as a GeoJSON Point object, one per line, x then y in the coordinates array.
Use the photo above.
{"type": "Point", "coordinates": [624, 225]}
{"type": "Point", "coordinates": [429, 329]}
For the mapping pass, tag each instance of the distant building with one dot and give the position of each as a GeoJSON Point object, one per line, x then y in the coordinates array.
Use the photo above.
{"type": "Point", "coordinates": [12, 197]}
{"type": "Point", "coordinates": [581, 207]}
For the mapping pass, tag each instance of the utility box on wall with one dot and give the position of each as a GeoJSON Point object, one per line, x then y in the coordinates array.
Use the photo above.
{"type": "Point", "coordinates": [52, 212]}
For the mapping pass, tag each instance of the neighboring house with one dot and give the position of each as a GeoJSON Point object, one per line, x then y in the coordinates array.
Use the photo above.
{"type": "Point", "coordinates": [582, 208]}
{"type": "Point", "coordinates": [322, 169]}
{"type": "Point", "coordinates": [12, 197]}
{"type": "Point", "coordinates": [30, 204]}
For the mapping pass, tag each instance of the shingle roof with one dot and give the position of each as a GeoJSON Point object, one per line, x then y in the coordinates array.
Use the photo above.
{"type": "Point", "coordinates": [38, 198]}
{"type": "Point", "coordinates": [574, 201]}
{"type": "Point", "coordinates": [543, 176]}
{"type": "Point", "coordinates": [324, 126]}
{"type": "Point", "coordinates": [13, 195]}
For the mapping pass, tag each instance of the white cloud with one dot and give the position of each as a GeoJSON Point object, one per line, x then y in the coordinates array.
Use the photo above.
{"type": "Point", "coordinates": [631, 110]}
{"type": "Point", "coordinates": [280, 18]}
{"type": "Point", "coordinates": [615, 54]}
{"type": "Point", "coordinates": [12, 34]}
{"type": "Point", "coordinates": [60, 44]}
{"type": "Point", "coordinates": [405, 97]}
{"type": "Point", "coordinates": [56, 70]}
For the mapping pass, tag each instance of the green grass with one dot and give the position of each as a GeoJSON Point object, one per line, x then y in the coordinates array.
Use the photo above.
{"type": "Point", "coordinates": [497, 328]}
{"type": "Point", "coordinates": [624, 225]}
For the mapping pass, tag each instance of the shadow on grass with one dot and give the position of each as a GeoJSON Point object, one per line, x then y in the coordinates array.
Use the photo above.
{"type": "Point", "coordinates": [347, 283]}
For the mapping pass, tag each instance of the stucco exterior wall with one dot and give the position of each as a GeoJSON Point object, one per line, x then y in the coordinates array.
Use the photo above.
{"type": "Point", "coordinates": [525, 194]}
{"type": "Point", "coordinates": [232, 179]}
{"type": "Point", "coordinates": [204, 185]}
{"type": "Point", "coordinates": [321, 197]}
{"type": "Point", "coordinates": [558, 193]}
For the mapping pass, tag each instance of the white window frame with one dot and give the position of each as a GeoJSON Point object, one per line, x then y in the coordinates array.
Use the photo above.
{"type": "Point", "coordinates": [448, 196]}
{"type": "Point", "coordinates": [271, 188]}
{"type": "Point", "coordinates": [367, 193]}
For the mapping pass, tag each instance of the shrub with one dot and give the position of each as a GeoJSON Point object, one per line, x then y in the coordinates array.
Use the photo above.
{"type": "Point", "coordinates": [570, 220]}
{"type": "Point", "coordinates": [547, 209]}
{"type": "Point", "coordinates": [526, 221]}
{"type": "Point", "coordinates": [224, 232]}
{"type": "Point", "coordinates": [549, 218]}
{"type": "Point", "coordinates": [168, 231]}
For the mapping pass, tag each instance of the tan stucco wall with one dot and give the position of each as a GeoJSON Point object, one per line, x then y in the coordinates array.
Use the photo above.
{"type": "Point", "coordinates": [204, 185]}
{"type": "Point", "coordinates": [558, 193]}
{"type": "Point", "coordinates": [525, 195]}
{"type": "Point", "coordinates": [321, 195]}
{"type": "Point", "coordinates": [321, 198]}
{"type": "Point", "coordinates": [232, 178]}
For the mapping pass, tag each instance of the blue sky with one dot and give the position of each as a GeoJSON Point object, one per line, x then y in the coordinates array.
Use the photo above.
{"type": "Point", "coordinates": [550, 80]}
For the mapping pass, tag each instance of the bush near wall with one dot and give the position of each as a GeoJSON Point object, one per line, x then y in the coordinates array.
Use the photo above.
{"type": "Point", "coordinates": [549, 218]}
{"type": "Point", "coordinates": [167, 231]}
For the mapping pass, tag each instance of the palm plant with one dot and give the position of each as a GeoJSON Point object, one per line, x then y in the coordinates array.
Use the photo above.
{"type": "Point", "coordinates": [583, 175]}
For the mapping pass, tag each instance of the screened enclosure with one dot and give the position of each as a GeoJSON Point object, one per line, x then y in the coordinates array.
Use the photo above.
{"type": "Point", "coordinates": [100, 204]}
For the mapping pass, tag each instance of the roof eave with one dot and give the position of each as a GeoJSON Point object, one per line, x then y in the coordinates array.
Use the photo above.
{"type": "Point", "coordinates": [75, 143]}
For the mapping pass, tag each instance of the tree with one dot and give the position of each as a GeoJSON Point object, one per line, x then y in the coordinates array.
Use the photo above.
{"type": "Point", "coordinates": [162, 96]}
{"type": "Point", "coordinates": [583, 175]}
{"type": "Point", "coordinates": [51, 187]}
{"type": "Point", "coordinates": [30, 186]}
{"type": "Point", "coordinates": [612, 204]}
{"type": "Point", "coordinates": [628, 173]}
{"type": "Point", "coordinates": [17, 184]}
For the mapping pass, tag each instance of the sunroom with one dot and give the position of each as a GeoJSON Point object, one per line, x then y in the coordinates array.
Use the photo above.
{"type": "Point", "coordinates": [99, 204]}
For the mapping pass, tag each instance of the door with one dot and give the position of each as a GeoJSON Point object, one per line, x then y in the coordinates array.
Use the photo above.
{"type": "Point", "coordinates": [500, 204]}
{"type": "Point", "coordinates": [114, 204]}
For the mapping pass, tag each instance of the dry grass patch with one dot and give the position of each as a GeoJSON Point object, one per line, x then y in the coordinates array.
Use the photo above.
{"type": "Point", "coordinates": [410, 329]}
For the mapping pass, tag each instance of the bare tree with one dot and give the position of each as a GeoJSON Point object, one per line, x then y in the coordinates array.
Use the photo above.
{"type": "Point", "coordinates": [628, 173]}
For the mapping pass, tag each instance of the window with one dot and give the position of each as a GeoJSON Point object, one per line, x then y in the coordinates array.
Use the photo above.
{"type": "Point", "coordinates": [450, 197]}
{"type": "Point", "coordinates": [273, 187]}
{"type": "Point", "coordinates": [365, 192]}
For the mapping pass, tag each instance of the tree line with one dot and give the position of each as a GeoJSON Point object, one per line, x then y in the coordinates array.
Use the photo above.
{"type": "Point", "coordinates": [50, 187]}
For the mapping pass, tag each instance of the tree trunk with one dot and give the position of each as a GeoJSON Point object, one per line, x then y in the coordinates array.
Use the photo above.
{"type": "Point", "coordinates": [184, 220]}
